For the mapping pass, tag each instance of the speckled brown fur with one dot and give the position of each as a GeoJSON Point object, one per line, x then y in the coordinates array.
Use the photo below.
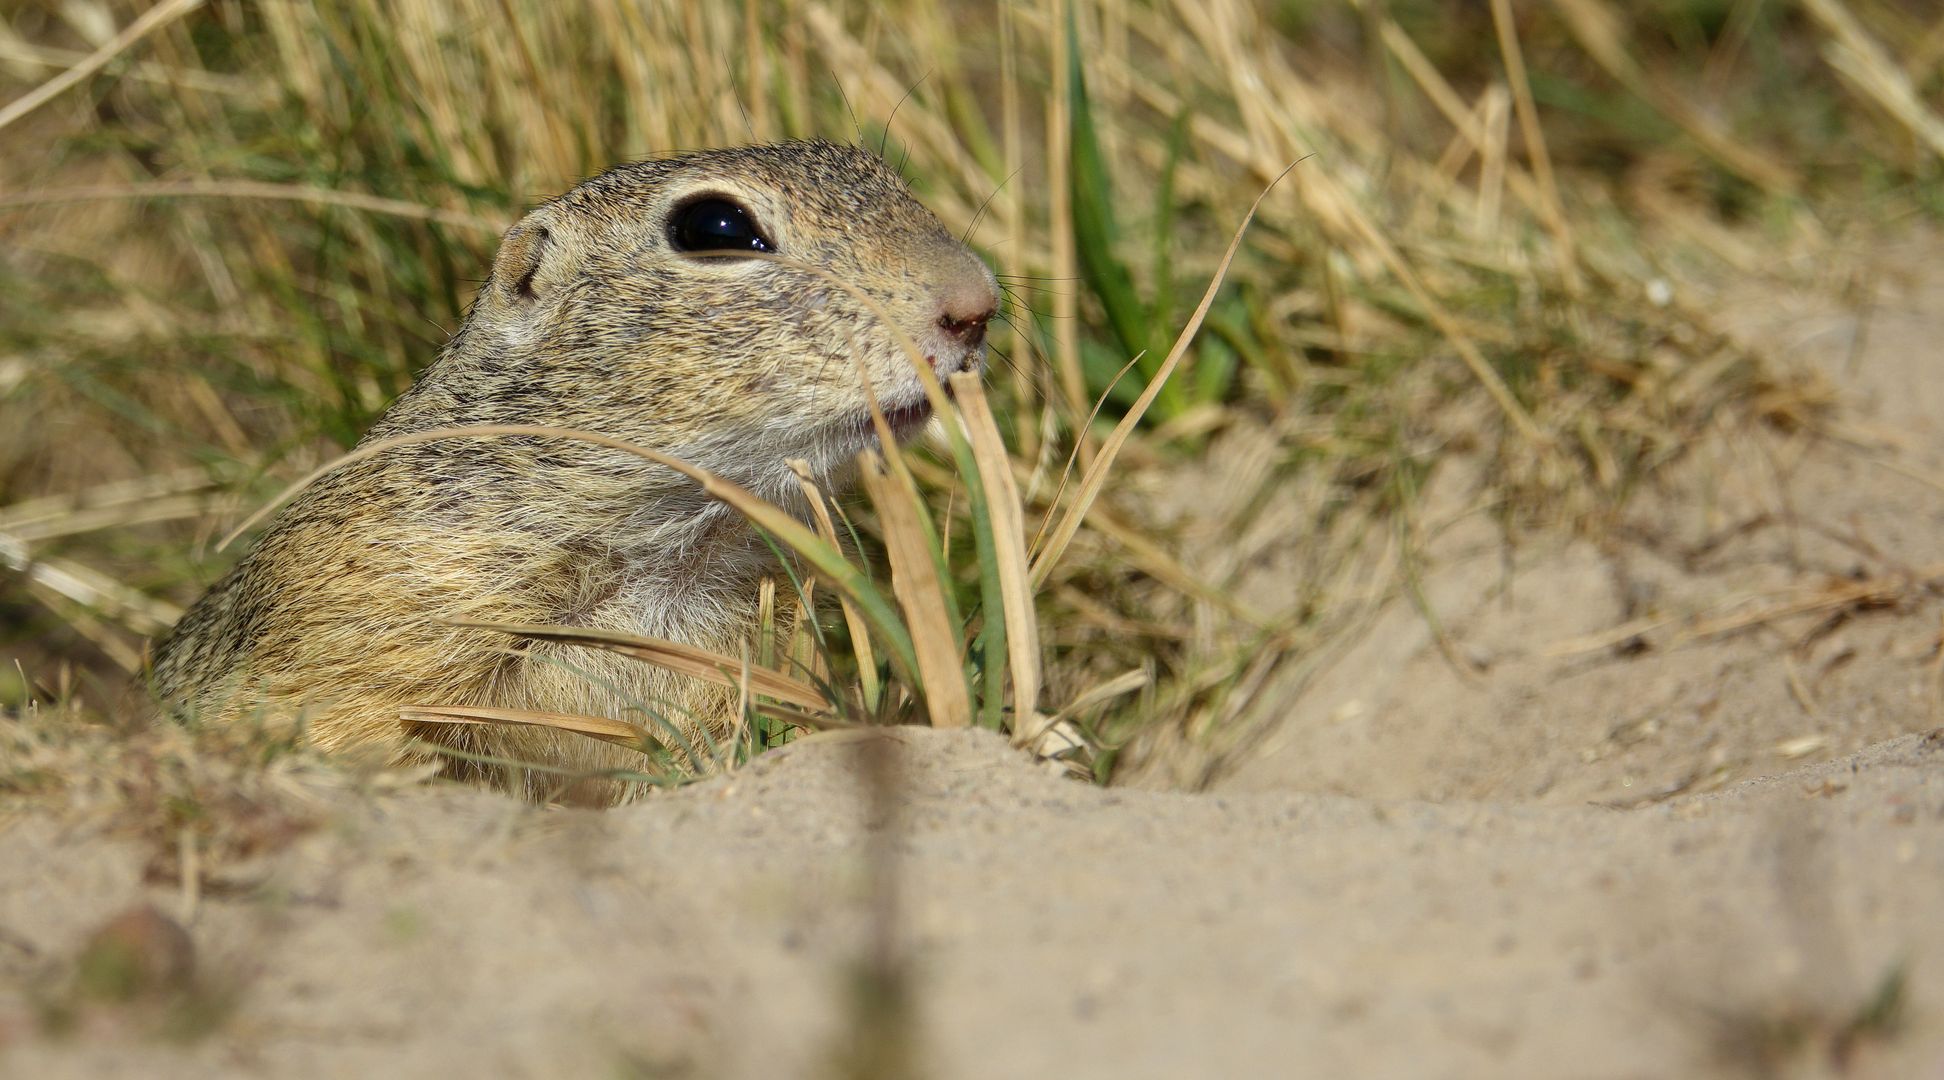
{"type": "Point", "coordinates": [590, 319]}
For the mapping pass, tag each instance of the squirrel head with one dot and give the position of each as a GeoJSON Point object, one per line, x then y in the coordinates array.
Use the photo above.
{"type": "Point", "coordinates": [622, 307]}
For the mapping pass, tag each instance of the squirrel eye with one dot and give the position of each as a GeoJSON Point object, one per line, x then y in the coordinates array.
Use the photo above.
{"type": "Point", "coordinates": [715, 225]}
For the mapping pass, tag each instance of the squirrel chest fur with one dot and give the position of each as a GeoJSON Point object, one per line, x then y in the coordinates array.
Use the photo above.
{"type": "Point", "coordinates": [611, 309]}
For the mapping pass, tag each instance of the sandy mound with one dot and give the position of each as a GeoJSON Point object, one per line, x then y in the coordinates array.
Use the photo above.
{"type": "Point", "coordinates": [1056, 929]}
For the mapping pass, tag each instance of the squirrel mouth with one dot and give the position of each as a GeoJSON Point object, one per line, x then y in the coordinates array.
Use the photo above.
{"type": "Point", "coordinates": [904, 421]}
{"type": "Point", "coordinates": [907, 420]}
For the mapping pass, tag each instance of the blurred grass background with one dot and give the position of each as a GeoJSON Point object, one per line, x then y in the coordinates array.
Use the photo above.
{"type": "Point", "coordinates": [231, 231]}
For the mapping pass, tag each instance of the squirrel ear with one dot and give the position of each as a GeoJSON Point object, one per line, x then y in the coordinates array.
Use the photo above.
{"type": "Point", "coordinates": [523, 254]}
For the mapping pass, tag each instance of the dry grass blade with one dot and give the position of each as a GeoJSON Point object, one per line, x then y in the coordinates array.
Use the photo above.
{"type": "Point", "coordinates": [921, 595]}
{"type": "Point", "coordinates": [1073, 457]}
{"type": "Point", "coordinates": [1127, 682]}
{"type": "Point", "coordinates": [89, 625]}
{"type": "Point", "coordinates": [740, 731]}
{"type": "Point", "coordinates": [1872, 592]}
{"type": "Point", "coordinates": [815, 721]}
{"type": "Point", "coordinates": [1595, 26]}
{"type": "Point", "coordinates": [1450, 327]}
{"type": "Point", "coordinates": [111, 517]}
{"type": "Point", "coordinates": [37, 512]}
{"type": "Point", "coordinates": [1153, 559]}
{"type": "Point", "coordinates": [150, 21]}
{"type": "Point", "coordinates": [825, 558]}
{"type": "Point", "coordinates": [1096, 475]}
{"type": "Point", "coordinates": [254, 189]}
{"type": "Point", "coordinates": [1605, 639]}
{"type": "Point", "coordinates": [255, 92]}
{"type": "Point", "coordinates": [867, 674]}
{"type": "Point", "coordinates": [1861, 59]}
{"type": "Point", "coordinates": [594, 727]}
{"type": "Point", "coordinates": [1553, 210]}
{"type": "Point", "coordinates": [1009, 543]}
{"type": "Point", "coordinates": [759, 511]}
{"type": "Point", "coordinates": [89, 588]}
{"type": "Point", "coordinates": [675, 656]}
{"type": "Point", "coordinates": [1840, 594]}
{"type": "Point", "coordinates": [1935, 483]}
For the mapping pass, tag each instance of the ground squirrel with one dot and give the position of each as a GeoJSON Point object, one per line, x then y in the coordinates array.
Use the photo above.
{"type": "Point", "coordinates": [600, 314]}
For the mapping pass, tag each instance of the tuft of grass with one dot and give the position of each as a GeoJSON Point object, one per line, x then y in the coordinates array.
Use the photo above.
{"type": "Point", "coordinates": [234, 232]}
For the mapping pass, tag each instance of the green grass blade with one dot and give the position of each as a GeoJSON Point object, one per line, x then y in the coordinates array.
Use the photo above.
{"type": "Point", "coordinates": [1095, 230]}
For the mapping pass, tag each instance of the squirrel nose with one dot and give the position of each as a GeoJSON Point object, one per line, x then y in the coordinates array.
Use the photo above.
{"type": "Point", "coordinates": [964, 310]}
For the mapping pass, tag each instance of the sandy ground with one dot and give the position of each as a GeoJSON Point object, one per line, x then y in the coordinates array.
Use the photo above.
{"type": "Point", "coordinates": [1774, 600]}
{"type": "Point", "coordinates": [1668, 804]}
